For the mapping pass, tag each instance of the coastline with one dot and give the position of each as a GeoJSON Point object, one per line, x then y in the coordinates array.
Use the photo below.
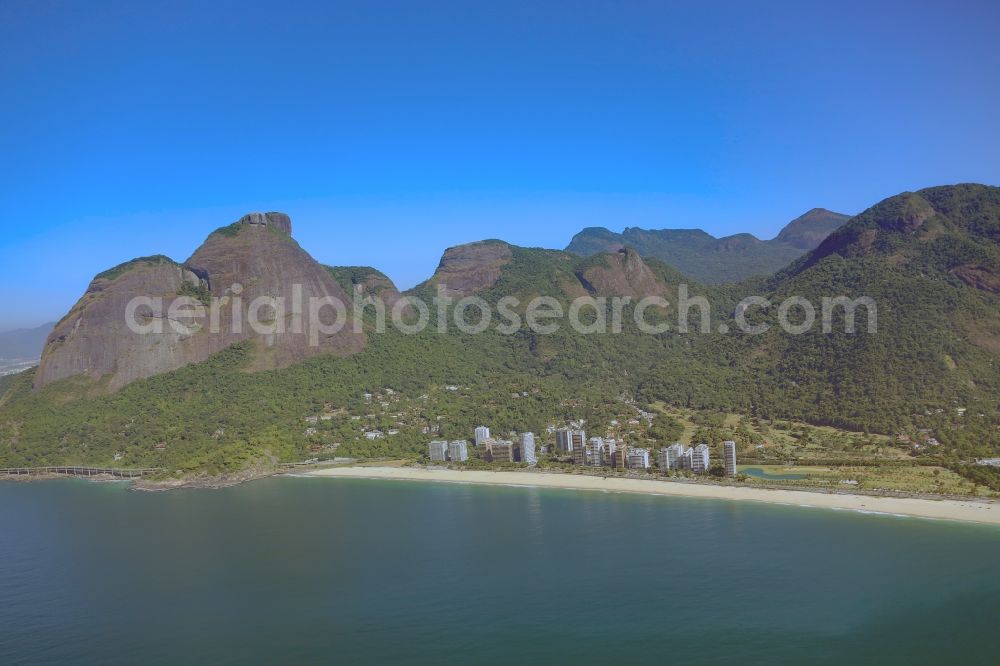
{"type": "Point", "coordinates": [973, 511]}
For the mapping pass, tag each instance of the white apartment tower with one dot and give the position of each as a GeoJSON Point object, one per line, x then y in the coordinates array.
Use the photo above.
{"type": "Point", "coordinates": [729, 454]}
{"type": "Point", "coordinates": [674, 456]}
{"type": "Point", "coordinates": [699, 459]}
{"type": "Point", "coordinates": [482, 434]}
{"type": "Point", "coordinates": [458, 451]}
{"type": "Point", "coordinates": [528, 448]}
{"type": "Point", "coordinates": [438, 450]}
{"type": "Point", "coordinates": [594, 452]}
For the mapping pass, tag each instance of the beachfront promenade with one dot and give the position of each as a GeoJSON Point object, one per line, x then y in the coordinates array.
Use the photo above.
{"type": "Point", "coordinates": [134, 473]}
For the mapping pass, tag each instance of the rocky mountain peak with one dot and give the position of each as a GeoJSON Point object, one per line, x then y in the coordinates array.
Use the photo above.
{"type": "Point", "coordinates": [95, 339]}
{"type": "Point", "coordinates": [279, 221]}
{"type": "Point", "coordinates": [807, 231]}
{"type": "Point", "coordinates": [471, 268]}
{"type": "Point", "coordinates": [622, 273]}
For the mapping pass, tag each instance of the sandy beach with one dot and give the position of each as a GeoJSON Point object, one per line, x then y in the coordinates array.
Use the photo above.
{"type": "Point", "coordinates": [967, 511]}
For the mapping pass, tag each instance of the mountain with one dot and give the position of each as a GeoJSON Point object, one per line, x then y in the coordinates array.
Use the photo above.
{"type": "Point", "coordinates": [255, 257]}
{"type": "Point", "coordinates": [929, 260]}
{"type": "Point", "coordinates": [24, 343]}
{"type": "Point", "coordinates": [367, 281]}
{"type": "Point", "coordinates": [807, 231]}
{"type": "Point", "coordinates": [713, 260]}
{"type": "Point", "coordinates": [21, 348]}
{"type": "Point", "coordinates": [495, 269]}
{"type": "Point", "coordinates": [468, 269]}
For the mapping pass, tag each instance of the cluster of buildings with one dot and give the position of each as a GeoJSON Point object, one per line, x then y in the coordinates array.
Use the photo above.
{"type": "Point", "coordinates": [696, 458]}
{"type": "Point", "coordinates": [601, 452]}
{"type": "Point", "coordinates": [592, 452]}
{"type": "Point", "coordinates": [598, 451]}
{"type": "Point", "coordinates": [678, 457]}
{"type": "Point", "coordinates": [442, 450]}
{"type": "Point", "coordinates": [490, 449]}
{"type": "Point", "coordinates": [521, 449]}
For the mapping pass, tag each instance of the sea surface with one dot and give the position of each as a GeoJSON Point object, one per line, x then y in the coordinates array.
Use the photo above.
{"type": "Point", "coordinates": [343, 571]}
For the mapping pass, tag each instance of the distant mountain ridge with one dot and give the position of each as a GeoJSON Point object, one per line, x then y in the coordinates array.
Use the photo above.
{"type": "Point", "coordinates": [712, 260]}
{"type": "Point", "coordinates": [24, 343]}
{"type": "Point", "coordinates": [21, 348]}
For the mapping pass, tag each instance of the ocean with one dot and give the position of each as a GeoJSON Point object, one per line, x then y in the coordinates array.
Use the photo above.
{"type": "Point", "coordinates": [318, 570]}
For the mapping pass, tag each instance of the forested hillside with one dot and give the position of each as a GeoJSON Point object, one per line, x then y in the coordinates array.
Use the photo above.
{"type": "Point", "coordinates": [929, 260]}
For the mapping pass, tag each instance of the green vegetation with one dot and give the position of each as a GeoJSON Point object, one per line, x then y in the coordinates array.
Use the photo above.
{"type": "Point", "coordinates": [229, 231]}
{"type": "Point", "coordinates": [5, 383]}
{"type": "Point", "coordinates": [982, 475]}
{"type": "Point", "coordinates": [693, 252]}
{"type": "Point", "coordinates": [112, 273]}
{"type": "Point", "coordinates": [895, 405]}
{"type": "Point", "coordinates": [200, 292]}
{"type": "Point", "coordinates": [372, 280]}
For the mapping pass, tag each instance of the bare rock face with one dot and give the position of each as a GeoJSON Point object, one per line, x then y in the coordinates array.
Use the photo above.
{"type": "Point", "coordinates": [250, 271]}
{"type": "Point", "coordinates": [246, 269]}
{"type": "Point", "coordinates": [381, 287]}
{"type": "Point", "coordinates": [469, 269]}
{"type": "Point", "coordinates": [279, 221]}
{"type": "Point", "coordinates": [622, 274]}
{"type": "Point", "coordinates": [94, 339]}
{"type": "Point", "coordinates": [980, 277]}
{"type": "Point", "coordinates": [912, 211]}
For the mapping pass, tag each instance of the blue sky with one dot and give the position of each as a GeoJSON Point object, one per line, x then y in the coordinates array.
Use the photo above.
{"type": "Point", "coordinates": [391, 130]}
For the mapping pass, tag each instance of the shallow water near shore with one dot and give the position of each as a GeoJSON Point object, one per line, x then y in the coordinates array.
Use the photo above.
{"type": "Point", "coordinates": [357, 571]}
{"type": "Point", "coordinates": [761, 474]}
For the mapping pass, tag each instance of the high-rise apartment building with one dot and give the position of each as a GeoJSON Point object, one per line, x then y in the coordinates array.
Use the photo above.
{"type": "Point", "coordinates": [729, 457]}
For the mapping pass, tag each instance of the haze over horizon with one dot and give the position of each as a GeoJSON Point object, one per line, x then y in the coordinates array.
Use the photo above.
{"type": "Point", "coordinates": [390, 132]}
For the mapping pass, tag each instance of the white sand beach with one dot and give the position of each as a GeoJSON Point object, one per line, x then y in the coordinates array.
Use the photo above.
{"type": "Point", "coordinates": [968, 511]}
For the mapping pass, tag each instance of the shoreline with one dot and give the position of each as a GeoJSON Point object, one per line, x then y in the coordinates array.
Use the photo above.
{"type": "Point", "coordinates": [972, 511]}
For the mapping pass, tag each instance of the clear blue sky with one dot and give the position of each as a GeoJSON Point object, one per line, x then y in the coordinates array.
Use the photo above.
{"type": "Point", "coordinates": [391, 130]}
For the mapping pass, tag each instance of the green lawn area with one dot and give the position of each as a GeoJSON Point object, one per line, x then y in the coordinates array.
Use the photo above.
{"type": "Point", "coordinates": [906, 478]}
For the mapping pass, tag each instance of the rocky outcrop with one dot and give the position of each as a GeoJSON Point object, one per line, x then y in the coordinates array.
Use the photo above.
{"type": "Point", "coordinates": [623, 273]}
{"type": "Point", "coordinates": [595, 240]}
{"type": "Point", "coordinates": [979, 277]}
{"type": "Point", "coordinates": [912, 211]}
{"type": "Point", "coordinates": [94, 339]}
{"type": "Point", "coordinates": [258, 263]}
{"type": "Point", "coordinates": [279, 221]}
{"type": "Point", "coordinates": [472, 268]}
{"type": "Point", "coordinates": [250, 280]}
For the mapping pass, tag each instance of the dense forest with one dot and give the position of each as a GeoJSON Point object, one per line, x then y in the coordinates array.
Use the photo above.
{"type": "Point", "coordinates": [926, 260]}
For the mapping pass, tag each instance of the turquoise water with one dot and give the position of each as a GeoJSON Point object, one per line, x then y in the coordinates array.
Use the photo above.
{"type": "Point", "coordinates": [306, 570]}
{"type": "Point", "coordinates": [758, 473]}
